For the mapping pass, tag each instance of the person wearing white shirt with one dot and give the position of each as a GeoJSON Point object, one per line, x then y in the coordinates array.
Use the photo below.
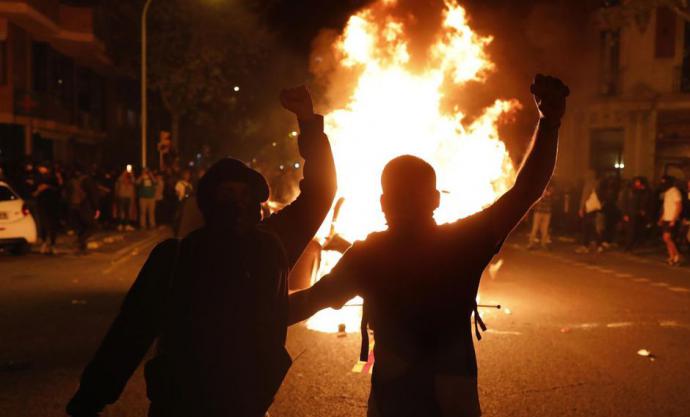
{"type": "Point", "coordinates": [670, 217]}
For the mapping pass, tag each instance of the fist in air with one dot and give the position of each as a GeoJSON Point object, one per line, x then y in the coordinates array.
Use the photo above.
{"type": "Point", "coordinates": [549, 94]}
{"type": "Point", "coordinates": [298, 101]}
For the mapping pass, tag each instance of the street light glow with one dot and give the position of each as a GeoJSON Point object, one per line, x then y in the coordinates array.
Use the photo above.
{"type": "Point", "coordinates": [236, 88]}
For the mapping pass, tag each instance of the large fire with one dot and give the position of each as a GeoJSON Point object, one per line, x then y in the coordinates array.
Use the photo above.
{"type": "Point", "coordinates": [394, 109]}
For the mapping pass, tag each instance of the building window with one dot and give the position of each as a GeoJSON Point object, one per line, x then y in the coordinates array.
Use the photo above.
{"type": "Point", "coordinates": [3, 62]}
{"type": "Point", "coordinates": [62, 81]}
{"type": "Point", "coordinates": [685, 66]}
{"type": "Point", "coordinates": [40, 66]}
{"type": "Point", "coordinates": [610, 47]}
{"type": "Point", "coordinates": [665, 33]}
{"type": "Point", "coordinates": [606, 150]}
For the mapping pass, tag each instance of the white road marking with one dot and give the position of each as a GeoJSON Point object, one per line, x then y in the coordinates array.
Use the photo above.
{"type": "Point", "coordinates": [641, 279]}
{"type": "Point", "coordinates": [679, 289]}
{"type": "Point", "coordinates": [508, 332]}
{"type": "Point", "coordinates": [620, 324]}
{"type": "Point", "coordinates": [660, 284]}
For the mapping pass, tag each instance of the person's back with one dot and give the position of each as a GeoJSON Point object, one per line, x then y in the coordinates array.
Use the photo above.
{"type": "Point", "coordinates": [419, 280]}
{"type": "Point", "coordinates": [124, 186]}
{"type": "Point", "coordinates": [76, 192]}
{"type": "Point", "coordinates": [227, 323]}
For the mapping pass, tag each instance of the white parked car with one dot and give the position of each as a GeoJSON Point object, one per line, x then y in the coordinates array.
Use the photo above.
{"type": "Point", "coordinates": [17, 225]}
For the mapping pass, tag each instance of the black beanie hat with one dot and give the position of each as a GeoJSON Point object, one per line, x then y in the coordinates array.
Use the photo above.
{"type": "Point", "coordinates": [229, 169]}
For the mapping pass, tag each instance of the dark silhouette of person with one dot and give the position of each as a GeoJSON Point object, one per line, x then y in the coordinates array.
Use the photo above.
{"type": "Point", "coordinates": [419, 280]}
{"type": "Point", "coordinates": [217, 301]}
{"type": "Point", "coordinates": [47, 196]}
{"type": "Point", "coordinates": [634, 204]}
{"type": "Point", "coordinates": [84, 203]}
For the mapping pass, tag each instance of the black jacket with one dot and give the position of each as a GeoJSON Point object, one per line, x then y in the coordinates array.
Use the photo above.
{"type": "Point", "coordinates": [223, 317]}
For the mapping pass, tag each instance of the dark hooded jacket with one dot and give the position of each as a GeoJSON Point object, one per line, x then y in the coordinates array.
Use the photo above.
{"type": "Point", "coordinates": [217, 304]}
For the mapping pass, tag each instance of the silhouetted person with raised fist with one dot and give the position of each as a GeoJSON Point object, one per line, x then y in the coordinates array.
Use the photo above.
{"type": "Point", "coordinates": [216, 302]}
{"type": "Point", "coordinates": [419, 280]}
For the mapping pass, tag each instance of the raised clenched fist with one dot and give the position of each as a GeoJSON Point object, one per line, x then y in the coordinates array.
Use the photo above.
{"type": "Point", "coordinates": [298, 101]}
{"type": "Point", "coordinates": [549, 94]}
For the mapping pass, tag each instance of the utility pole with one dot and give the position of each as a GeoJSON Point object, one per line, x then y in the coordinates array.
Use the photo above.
{"type": "Point", "coordinates": [144, 119]}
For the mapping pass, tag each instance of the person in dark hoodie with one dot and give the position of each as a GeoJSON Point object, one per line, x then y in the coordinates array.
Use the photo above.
{"type": "Point", "coordinates": [419, 280]}
{"type": "Point", "coordinates": [216, 301]}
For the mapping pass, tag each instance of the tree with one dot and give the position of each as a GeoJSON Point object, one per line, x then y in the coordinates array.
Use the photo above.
{"type": "Point", "coordinates": [198, 52]}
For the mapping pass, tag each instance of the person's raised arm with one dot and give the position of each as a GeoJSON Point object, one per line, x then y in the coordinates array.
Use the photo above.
{"type": "Point", "coordinates": [297, 223]}
{"type": "Point", "coordinates": [538, 165]}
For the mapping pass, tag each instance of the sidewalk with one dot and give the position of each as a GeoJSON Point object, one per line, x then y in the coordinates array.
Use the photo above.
{"type": "Point", "coordinates": [103, 241]}
{"type": "Point", "coordinates": [652, 253]}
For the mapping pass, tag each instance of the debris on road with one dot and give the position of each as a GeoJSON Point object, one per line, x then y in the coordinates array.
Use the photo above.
{"type": "Point", "coordinates": [647, 354]}
{"type": "Point", "coordinates": [93, 245]}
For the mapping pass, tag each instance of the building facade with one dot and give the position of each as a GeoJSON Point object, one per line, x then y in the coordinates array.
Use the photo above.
{"type": "Point", "coordinates": [637, 120]}
{"type": "Point", "coordinates": [59, 98]}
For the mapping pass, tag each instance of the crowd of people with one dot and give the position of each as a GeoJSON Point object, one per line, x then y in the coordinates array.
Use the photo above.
{"type": "Point", "coordinates": [81, 200]}
{"type": "Point", "coordinates": [606, 212]}
{"type": "Point", "coordinates": [613, 212]}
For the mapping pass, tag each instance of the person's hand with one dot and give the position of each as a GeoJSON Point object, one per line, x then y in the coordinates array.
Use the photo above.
{"type": "Point", "coordinates": [97, 215]}
{"type": "Point", "coordinates": [626, 218]}
{"type": "Point", "coordinates": [298, 101]}
{"type": "Point", "coordinates": [549, 95]}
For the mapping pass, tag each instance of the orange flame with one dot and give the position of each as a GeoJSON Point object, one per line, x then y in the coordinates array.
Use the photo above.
{"type": "Point", "coordinates": [394, 110]}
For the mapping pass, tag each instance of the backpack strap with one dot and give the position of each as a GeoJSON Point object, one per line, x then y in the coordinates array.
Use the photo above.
{"type": "Point", "coordinates": [364, 348]}
{"type": "Point", "coordinates": [478, 323]}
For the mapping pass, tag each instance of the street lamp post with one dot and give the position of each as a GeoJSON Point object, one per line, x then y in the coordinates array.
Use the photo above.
{"type": "Point", "coordinates": [144, 120]}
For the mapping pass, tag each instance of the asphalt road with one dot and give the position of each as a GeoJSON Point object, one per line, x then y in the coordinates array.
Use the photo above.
{"type": "Point", "coordinates": [565, 342]}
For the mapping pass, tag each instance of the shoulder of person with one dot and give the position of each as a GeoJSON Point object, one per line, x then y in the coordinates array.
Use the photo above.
{"type": "Point", "coordinates": [167, 247]}
{"type": "Point", "coordinates": [372, 239]}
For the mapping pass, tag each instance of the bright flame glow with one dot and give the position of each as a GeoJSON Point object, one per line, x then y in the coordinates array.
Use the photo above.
{"type": "Point", "coordinates": [394, 110]}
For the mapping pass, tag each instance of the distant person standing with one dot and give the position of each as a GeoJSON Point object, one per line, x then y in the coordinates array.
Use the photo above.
{"type": "Point", "coordinates": [183, 187]}
{"type": "Point", "coordinates": [27, 188]}
{"type": "Point", "coordinates": [541, 220]}
{"type": "Point", "coordinates": [634, 204]}
{"type": "Point", "coordinates": [125, 194]}
{"type": "Point", "coordinates": [160, 191]}
{"type": "Point", "coordinates": [670, 217]}
{"type": "Point", "coordinates": [686, 214]}
{"type": "Point", "coordinates": [146, 189]}
{"type": "Point", "coordinates": [183, 190]}
{"type": "Point", "coordinates": [590, 210]}
{"type": "Point", "coordinates": [83, 206]}
{"type": "Point", "coordinates": [47, 196]}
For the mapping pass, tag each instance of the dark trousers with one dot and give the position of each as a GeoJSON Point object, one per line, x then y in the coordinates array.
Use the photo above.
{"type": "Point", "coordinates": [123, 204]}
{"type": "Point", "coordinates": [83, 223]}
{"type": "Point", "coordinates": [634, 229]}
{"type": "Point", "coordinates": [48, 222]}
{"type": "Point", "coordinates": [589, 228]}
